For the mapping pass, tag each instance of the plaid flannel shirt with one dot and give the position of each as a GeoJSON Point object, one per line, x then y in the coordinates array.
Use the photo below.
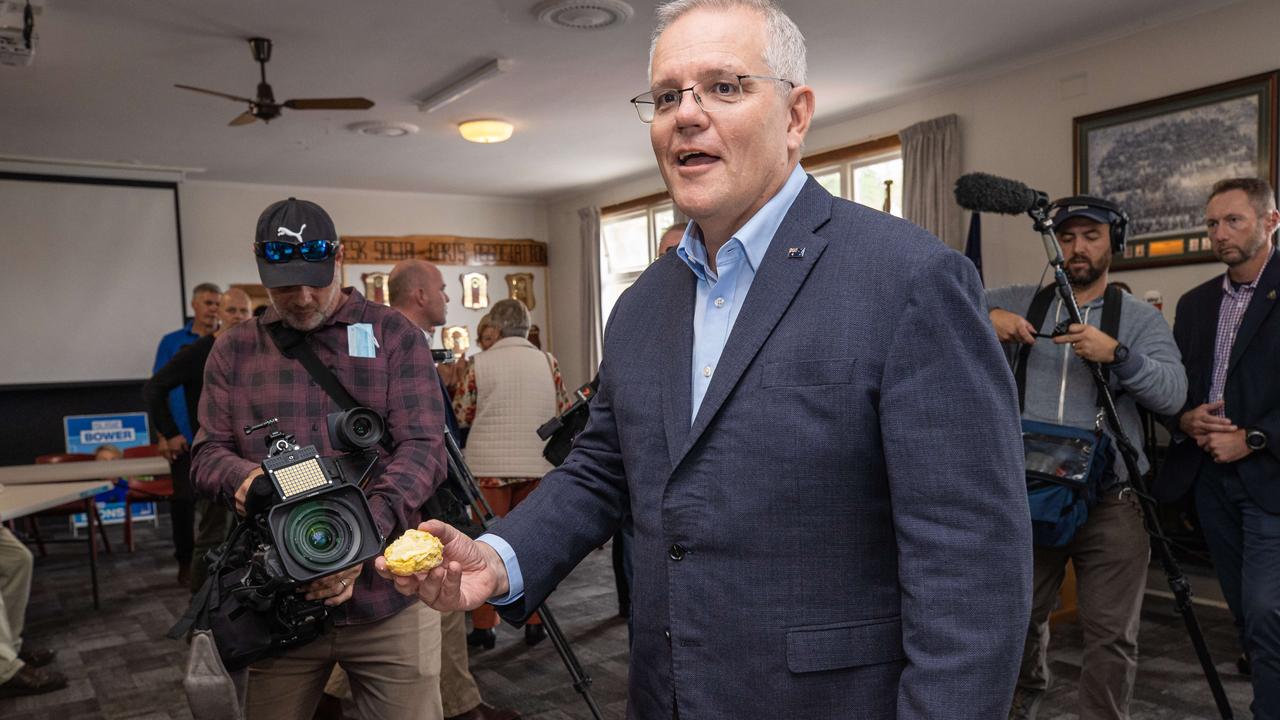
{"type": "Point", "coordinates": [247, 381]}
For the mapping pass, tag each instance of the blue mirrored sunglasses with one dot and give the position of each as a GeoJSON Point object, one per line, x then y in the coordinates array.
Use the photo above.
{"type": "Point", "coordinates": [278, 251]}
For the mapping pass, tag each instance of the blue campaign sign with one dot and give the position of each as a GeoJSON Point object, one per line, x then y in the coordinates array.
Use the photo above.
{"type": "Point", "coordinates": [84, 433]}
{"type": "Point", "coordinates": [112, 513]}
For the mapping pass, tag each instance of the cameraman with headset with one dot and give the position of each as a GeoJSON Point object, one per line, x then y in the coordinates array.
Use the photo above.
{"type": "Point", "coordinates": [388, 644]}
{"type": "Point", "coordinates": [1110, 550]}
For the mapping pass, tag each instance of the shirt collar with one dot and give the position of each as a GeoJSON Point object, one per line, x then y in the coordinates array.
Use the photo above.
{"type": "Point", "coordinates": [754, 236]}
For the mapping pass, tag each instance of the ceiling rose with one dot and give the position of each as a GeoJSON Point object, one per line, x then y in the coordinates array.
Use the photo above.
{"type": "Point", "coordinates": [383, 128]}
{"type": "Point", "coordinates": [583, 14]}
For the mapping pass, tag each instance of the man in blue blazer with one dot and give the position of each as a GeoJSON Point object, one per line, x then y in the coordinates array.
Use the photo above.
{"type": "Point", "coordinates": [807, 414]}
{"type": "Point", "coordinates": [1226, 440]}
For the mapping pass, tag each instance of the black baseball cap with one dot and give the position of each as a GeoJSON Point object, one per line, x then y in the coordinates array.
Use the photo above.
{"type": "Point", "coordinates": [1085, 206]}
{"type": "Point", "coordinates": [295, 222]}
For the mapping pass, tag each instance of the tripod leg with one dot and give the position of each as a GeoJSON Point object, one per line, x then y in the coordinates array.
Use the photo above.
{"type": "Point", "coordinates": [461, 474]}
{"type": "Point", "coordinates": [1182, 601]}
{"type": "Point", "coordinates": [581, 681]}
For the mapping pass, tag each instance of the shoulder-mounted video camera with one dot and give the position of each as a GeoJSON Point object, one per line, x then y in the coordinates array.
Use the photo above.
{"type": "Point", "coordinates": [311, 508]}
{"type": "Point", "coordinates": [306, 517]}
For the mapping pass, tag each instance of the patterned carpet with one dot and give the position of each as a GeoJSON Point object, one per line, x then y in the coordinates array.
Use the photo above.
{"type": "Point", "coordinates": [121, 665]}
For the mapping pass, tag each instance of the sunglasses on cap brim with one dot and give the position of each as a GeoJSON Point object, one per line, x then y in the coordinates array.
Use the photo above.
{"type": "Point", "coordinates": [279, 251]}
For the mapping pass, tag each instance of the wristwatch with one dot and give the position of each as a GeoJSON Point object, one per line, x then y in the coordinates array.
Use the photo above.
{"type": "Point", "coordinates": [1255, 439]}
{"type": "Point", "coordinates": [1122, 354]}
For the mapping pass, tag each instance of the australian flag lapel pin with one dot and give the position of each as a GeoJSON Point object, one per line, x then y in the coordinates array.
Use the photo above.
{"type": "Point", "coordinates": [795, 252]}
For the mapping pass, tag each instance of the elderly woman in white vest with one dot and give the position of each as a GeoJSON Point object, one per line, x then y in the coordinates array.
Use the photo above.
{"type": "Point", "coordinates": [509, 390]}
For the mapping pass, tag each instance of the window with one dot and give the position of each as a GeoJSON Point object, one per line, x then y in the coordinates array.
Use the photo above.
{"type": "Point", "coordinates": [629, 241]}
{"type": "Point", "coordinates": [866, 179]}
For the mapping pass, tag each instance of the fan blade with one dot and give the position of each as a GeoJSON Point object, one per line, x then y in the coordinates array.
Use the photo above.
{"type": "Point", "coordinates": [215, 93]}
{"type": "Point", "coordinates": [347, 103]}
{"type": "Point", "coordinates": [243, 118]}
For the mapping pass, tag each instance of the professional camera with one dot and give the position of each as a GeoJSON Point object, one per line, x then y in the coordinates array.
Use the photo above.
{"type": "Point", "coordinates": [560, 431]}
{"type": "Point", "coordinates": [306, 517]}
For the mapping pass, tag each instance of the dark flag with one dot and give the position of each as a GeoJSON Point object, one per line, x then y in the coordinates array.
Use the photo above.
{"type": "Point", "coordinates": [973, 246]}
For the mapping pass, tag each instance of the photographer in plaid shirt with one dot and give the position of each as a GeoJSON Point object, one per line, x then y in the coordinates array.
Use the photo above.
{"type": "Point", "coordinates": [388, 643]}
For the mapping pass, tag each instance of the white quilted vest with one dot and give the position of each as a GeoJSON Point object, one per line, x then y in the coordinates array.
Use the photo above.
{"type": "Point", "coordinates": [515, 394]}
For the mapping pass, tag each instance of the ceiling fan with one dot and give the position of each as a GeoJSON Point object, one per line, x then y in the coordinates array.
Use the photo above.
{"type": "Point", "coordinates": [264, 107]}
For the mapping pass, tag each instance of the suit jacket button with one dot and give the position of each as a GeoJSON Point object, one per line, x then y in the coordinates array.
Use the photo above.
{"type": "Point", "coordinates": [676, 552]}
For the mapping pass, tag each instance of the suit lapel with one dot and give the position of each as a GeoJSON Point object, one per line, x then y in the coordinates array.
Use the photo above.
{"type": "Point", "coordinates": [677, 363]}
{"type": "Point", "coordinates": [1203, 354]}
{"type": "Point", "coordinates": [1264, 299]}
{"type": "Point", "coordinates": [776, 282]}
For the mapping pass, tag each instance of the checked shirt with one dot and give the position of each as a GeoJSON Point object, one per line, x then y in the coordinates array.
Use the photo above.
{"type": "Point", "coordinates": [248, 381]}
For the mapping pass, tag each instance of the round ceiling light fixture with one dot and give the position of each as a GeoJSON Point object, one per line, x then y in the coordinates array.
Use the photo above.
{"type": "Point", "coordinates": [583, 14]}
{"type": "Point", "coordinates": [383, 128]}
{"type": "Point", "coordinates": [486, 131]}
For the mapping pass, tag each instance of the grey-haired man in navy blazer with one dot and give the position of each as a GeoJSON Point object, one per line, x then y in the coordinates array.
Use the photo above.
{"type": "Point", "coordinates": [830, 522]}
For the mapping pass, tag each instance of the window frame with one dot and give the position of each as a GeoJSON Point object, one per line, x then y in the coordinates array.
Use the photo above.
{"type": "Point", "coordinates": [649, 207]}
{"type": "Point", "coordinates": [848, 159]}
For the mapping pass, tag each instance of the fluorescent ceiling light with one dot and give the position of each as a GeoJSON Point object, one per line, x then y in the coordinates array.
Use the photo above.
{"type": "Point", "coordinates": [464, 85]}
{"type": "Point", "coordinates": [485, 131]}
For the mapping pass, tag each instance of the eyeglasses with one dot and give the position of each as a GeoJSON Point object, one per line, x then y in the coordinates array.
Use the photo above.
{"type": "Point", "coordinates": [712, 95]}
{"type": "Point", "coordinates": [279, 251]}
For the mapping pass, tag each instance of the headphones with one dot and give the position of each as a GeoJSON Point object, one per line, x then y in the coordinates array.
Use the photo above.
{"type": "Point", "coordinates": [1116, 218]}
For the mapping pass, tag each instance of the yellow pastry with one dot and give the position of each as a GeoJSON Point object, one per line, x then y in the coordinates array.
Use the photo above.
{"type": "Point", "coordinates": [415, 551]}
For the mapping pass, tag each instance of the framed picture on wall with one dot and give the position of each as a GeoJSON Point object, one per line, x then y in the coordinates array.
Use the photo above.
{"type": "Point", "coordinates": [1159, 159]}
{"type": "Point", "coordinates": [461, 260]}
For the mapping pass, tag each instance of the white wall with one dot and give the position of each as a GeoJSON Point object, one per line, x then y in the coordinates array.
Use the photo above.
{"type": "Point", "coordinates": [218, 221]}
{"type": "Point", "coordinates": [1016, 125]}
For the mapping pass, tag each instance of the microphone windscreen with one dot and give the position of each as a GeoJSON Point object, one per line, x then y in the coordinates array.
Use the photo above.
{"type": "Point", "coordinates": [988, 193]}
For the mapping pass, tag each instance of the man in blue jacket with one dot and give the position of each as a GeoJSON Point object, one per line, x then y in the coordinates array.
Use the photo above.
{"type": "Point", "coordinates": [205, 298]}
{"type": "Point", "coordinates": [807, 415]}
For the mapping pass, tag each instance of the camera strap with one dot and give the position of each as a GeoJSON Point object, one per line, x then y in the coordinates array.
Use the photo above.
{"type": "Point", "coordinates": [293, 344]}
{"type": "Point", "coordinates": [1112, 299]}
{"type": "Point", "coordinates": [443, 503]}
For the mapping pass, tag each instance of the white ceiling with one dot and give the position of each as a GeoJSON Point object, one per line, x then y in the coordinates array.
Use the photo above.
{"type": "Point", "coordinates": [101, 87]}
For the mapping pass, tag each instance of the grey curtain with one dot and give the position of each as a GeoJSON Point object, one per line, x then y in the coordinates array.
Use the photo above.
{"type": "Point", "coordinates": [930, 168]}
{"type": "Point", "coordinates": [592, 323]}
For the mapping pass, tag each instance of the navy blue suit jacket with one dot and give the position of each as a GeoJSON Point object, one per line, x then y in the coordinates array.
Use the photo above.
{"type": "Point", "coordinates": [842, 531]}
{"type": "Point", "coordinates": [1252, 392]}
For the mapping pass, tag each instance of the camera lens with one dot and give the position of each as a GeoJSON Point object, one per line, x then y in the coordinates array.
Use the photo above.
{"type": "Point", "coordinates": [355, 429]}
{"type": "Point", "coordinates": [321, 535]}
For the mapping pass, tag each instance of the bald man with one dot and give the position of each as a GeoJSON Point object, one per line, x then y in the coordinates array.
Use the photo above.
{"type": "Point", "coordinates": [417, 289]}
{"type": "Point", "coordinates": [186, 370]}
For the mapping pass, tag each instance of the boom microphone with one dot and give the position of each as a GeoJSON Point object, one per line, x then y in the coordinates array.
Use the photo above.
{"type": "Point", "coordinates": [981, 192]}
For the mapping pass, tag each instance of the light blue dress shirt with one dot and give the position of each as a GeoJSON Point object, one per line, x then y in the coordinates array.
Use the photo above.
{"type": "Point", "coordinates": [721, 293]}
